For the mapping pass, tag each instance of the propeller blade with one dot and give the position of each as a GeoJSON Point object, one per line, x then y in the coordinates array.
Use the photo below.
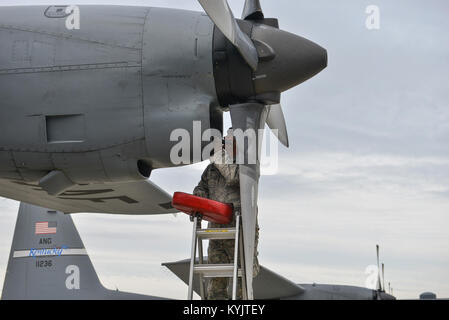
{"type": "Point", "coordinates": [249, 118]}
{"type": "Point", "coordinates": [221, 14]}
{"type": "Point", "coordinates": [252, 10]}
{"type": "Point", "coordinates": [276, 121]}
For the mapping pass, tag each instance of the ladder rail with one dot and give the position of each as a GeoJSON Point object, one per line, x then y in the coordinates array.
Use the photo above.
{"type": "Point", "coordinates": [201, 261]}
{"type": "Point", "coordinates": [192, 258]}
{"type": "Point", "coordinates": [243, 266]}
{"type": "Point", "coordinates": [236, 258]}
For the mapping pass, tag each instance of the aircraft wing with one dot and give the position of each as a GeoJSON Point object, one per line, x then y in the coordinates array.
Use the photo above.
{"type": "Point", "coordinates": [268, 285]}
{"type": "Point", "coordinates": [135, 198]}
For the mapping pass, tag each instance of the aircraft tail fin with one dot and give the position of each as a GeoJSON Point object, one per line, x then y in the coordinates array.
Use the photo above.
{"type": "Point", "coordinates": [48, 261]}
{"type": "Point", "coordinates": [268, 285]}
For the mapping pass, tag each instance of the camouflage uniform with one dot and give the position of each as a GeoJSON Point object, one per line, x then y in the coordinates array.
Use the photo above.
{"type": "Point", "coordinates": [220, 182]}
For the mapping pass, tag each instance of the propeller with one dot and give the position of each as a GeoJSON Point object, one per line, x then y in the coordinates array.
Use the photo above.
{"type": "Point", "coordinates": [248, 117]}
{"type": "Point", "coordinates": [276, 122]}
{"type": "Point", "coordinates": [222, 16]}
{"type": "Point", "coordinates": [252, 10]}
{"type": "Point", "coordinates": [268, 62]}
{"type": "Point", "coordinates": [254, 62]}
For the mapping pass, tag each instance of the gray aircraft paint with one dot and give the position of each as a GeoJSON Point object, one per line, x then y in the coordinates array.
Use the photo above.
{"type": "Point", "coordinates": [178, 81]}
{"type": "Point", "coordinates": [66, 273]}
{"type": "Point", "coordinates": [93, 102]}
{"type": "Point", "coordinates": [269, 285]}
{"type": "Point", "coordinates": [142, 197]}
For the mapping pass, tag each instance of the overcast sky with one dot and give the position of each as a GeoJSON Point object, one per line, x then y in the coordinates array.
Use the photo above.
{"type": "Point", "coordinates": [368, 162]}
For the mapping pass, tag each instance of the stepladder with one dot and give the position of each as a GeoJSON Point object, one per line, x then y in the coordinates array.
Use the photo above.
{"type": "Point", "coordinates": [202, 271]}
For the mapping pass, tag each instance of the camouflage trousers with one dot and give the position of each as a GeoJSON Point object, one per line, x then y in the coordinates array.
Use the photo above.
{"type": "Point", "coordinates": [222, 252]}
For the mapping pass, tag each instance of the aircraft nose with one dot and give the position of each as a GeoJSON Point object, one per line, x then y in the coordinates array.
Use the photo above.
{"type": "Point", "coordinates": [296, 60]}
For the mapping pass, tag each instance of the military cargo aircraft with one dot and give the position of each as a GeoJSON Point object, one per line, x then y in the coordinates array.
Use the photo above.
{"type": "Point", "coordinates": [86, 114]}
{"type": "Point", "coordinates": [48, 261]}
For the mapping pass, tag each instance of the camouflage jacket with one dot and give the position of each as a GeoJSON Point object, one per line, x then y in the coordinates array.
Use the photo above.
{"type": "Point", "coordinates": [220, 182]}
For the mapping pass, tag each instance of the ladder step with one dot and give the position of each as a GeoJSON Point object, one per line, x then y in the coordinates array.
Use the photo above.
{"type": "Point", "coordinates": [216, 234]}
{"type": "Point", "coordinates": [216, 270]}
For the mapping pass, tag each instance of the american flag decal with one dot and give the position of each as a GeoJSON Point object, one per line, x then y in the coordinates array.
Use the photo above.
{"type": "Point", "coordinates": [45, 227]}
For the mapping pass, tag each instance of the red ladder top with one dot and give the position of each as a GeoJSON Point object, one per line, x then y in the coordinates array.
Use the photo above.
{"type": "Point", "coordinates": [212, 211]}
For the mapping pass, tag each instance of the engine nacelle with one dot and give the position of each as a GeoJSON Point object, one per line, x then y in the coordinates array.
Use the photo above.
{"type": "Point", "coordinates": [100, 103]}
{"type": "Point", "coordinates": [178, 80]}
